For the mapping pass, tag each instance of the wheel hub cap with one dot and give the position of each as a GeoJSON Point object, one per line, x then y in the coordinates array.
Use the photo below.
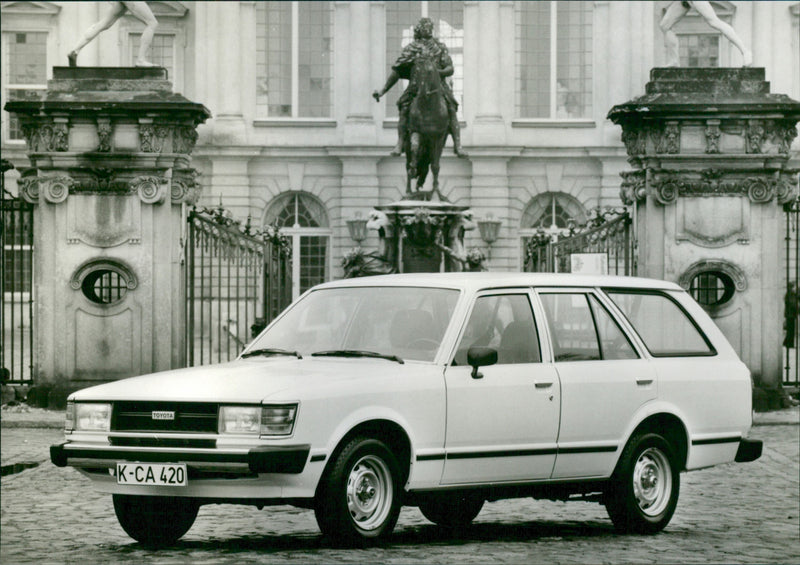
{"type": "Point", "coordinates": [652, 481]}
{"type": "Point", "coordinates": [369, 492]}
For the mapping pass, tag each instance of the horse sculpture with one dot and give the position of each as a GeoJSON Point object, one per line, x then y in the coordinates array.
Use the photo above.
{"type": "Point", "coordinates": [428, 126]}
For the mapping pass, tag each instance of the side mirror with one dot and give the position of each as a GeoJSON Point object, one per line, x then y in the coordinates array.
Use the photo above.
{"type": "Point", "coordinates": [480, 357]}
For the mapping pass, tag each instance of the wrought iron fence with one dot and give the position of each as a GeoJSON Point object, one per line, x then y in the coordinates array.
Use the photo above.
{"type": "Point", "coordinates": [608, 234]}
{"type": "Point", "coordinates": [16, 286]}
{"type": "Point", "coordinates": [237, 280]}
{"type": "Point", "coordinates": [791, 298]}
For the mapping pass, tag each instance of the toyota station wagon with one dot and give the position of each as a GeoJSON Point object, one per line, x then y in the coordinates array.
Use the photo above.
{"type": "Point", "coordinates": [441, 391]}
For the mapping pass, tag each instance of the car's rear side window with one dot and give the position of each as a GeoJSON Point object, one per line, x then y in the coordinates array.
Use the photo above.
{"type": "Point", "coordinates": [664, 326]}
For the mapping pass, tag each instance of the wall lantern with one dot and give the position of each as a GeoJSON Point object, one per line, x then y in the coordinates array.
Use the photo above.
{"type": "Point", "coordinates": [489, 228]}
{"type": "Point", "coordinates": [357, 228]}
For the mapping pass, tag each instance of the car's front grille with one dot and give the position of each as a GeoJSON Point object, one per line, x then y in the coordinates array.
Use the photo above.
{"type": "Point", "coordinates": [135, 416]}
{"type": "Point", "coordinates": [163, 442]}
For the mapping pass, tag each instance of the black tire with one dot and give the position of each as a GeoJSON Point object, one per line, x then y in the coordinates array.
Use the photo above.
{"type": "Point", "coordinates": [155, 520]}
{"type": "Point", "coordinates": [451, 510]}
{"type": "Point", "coordinates": [644, 489]}
{"type": "Point", "coordinates": [359, 498]}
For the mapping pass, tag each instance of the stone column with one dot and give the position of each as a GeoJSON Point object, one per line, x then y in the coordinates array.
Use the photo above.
{"type": "Point", "coordinates": [709, 150]}
{"type": "Point", "coordinates": [489, 127]}
{"type": "Point", "coordinates": [359, 127]}
{"type": "Point", "coordinates": [229, 125]}
{"type": "Point", "coordinates": [110, 152]}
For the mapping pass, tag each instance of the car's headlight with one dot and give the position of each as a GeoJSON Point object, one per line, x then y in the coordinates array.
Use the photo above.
{"type": "Point", "coordinates": [92, 417]}
{"type": "Point", "coordinates": [239, 419]}
{"type": "Point", "coordinates": [269, 420]}
{"type": "Point", "coordinates": [278, 419]}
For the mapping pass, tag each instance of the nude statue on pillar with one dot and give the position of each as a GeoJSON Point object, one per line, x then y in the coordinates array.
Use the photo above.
{"type": "Point", "coordinates": [677, 10]}
{"type": "Point", "coordinates": [114, 12]}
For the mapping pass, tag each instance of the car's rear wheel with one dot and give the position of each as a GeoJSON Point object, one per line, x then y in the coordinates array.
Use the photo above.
{"type": "Point", "coordinates": [359, 499]}
{"type": "Point", "coordinates": [155, 520]}
{"type": "Point", "coordinates": [451, 510]}
{"type": "Point", "coordinates": [644, 488]}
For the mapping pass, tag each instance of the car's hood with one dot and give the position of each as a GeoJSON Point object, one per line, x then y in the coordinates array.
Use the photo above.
{"type": "Point", "coordinates": [246, 380]}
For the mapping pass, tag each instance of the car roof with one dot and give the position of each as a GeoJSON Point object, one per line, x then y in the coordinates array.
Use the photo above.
{"type": "Point", "coordinates": [470, 281]}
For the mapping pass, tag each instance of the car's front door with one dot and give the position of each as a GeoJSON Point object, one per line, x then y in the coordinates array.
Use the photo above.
{"type": "Point", "coordinates": [604, 381]}
{"type": "Point", "coordinates": [502, 426]}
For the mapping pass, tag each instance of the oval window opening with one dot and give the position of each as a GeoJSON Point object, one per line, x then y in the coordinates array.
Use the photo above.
{"type": "Point", "coordinates": [712, 288]}
{"type": "Point", "coordinates": [104, 286]}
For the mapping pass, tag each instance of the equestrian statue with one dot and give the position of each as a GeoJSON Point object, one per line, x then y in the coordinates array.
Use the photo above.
{"type": "Point", "coordinates": [428, 109]}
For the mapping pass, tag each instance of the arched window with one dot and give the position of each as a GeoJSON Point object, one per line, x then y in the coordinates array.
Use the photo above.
{"type": "Point", "coordinates": [302, 217]}
{"type": "Point", "coordinates": [552, 211]}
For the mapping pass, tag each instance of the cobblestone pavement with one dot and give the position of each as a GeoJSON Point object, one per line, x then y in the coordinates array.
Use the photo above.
{"type": "Point", "coordinates": [736, 513]}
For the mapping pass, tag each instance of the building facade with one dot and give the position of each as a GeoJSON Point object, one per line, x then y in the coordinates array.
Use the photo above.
{"type": "Point", "coordinates": [297, 140]}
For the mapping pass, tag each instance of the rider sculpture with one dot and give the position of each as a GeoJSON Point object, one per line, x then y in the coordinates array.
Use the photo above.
{"type": "Point", "coordinates": [424, 44]}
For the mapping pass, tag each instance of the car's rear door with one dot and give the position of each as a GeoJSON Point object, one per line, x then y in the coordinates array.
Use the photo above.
{"type": "Point", "coordinates": [604, 380]}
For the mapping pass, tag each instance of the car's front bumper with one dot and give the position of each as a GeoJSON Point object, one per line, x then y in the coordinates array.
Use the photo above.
{"type": "Point", "coordinates": [749, 450]}
{"type": "Point", "coordinates": [289, 459]}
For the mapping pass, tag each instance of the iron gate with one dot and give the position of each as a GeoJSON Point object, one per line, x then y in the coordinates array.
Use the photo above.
{"type": "Point", "coordinates": [16, 286]}
{"type": "Point", "coordinates": [791, 298]}
{"type": "Point", "coordinates": [237, 280]}
{"type": "Point", "coordinates": [608, 233]}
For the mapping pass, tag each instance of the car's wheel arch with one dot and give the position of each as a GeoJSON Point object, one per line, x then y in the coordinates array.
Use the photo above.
{"type": "Point", "coordinates": [668, 425]}
{"type": "Point", "coordinates": [388, 431]}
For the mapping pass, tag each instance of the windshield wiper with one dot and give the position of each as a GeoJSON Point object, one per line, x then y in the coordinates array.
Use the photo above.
{"type": "Point", "coordinates": [356, 353]}
{"type": "Point", "coordinates": [271, 351]}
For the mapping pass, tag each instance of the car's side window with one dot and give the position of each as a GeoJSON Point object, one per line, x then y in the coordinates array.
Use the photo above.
{"type": "Point", "coordinates": [614, 343]}
{"type": "Point", "coordinates": [504, 322]}
{"type": "Point", "coordinates": [572, 329]}
{"type": "Point", "coordinates": [665, 328]}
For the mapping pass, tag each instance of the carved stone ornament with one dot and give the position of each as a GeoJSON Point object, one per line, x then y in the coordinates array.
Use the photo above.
{"type": "Point", "coordinates": [759, 190]}
{"type": "Point", "coordinates": [710, 265]}
{"type": "Point", "coordinates": [786, 188]}
{"type": "Point", "coordinates": [635, 141]}
{"type": "Point", "coordinates": [713, 134]}
{"type": "Point", "coordinates": [783, 135]}
{"type": "Point", "coordinates": [668, 140]}
{"type": "Point", "coordinates": [104, 131]}
{"type": "Point", "coordinates": [151, 138]}
{"type": "Point", "coordinates": [667, 192]}
{"type": "Point", "coordinates": [56, 189]}
{"type": "Point", "coordinates": [633, 188]}
{"type": "Point", "coordinates": [183, 139]}
{"type": "Point", "coordinates": [185, 187]}
{"type": "Point", "coordinates": [46, 138]}
{"type": "Point", "coordinates": [151, 189]}
{"type": "Point", "coordinates": [29, 189]}
{"type": "Point", "coordinates": [60, 137]}
{"type": "Point", "coordinates": [754, 136]}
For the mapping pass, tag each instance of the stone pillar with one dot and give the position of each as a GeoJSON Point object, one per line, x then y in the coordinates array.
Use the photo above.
{"type": "Point", "coordinates": [709, 150]}
{"type": "Point", "coordinates": [110, 152]}
{"type": "Point", "coordinates": [489, 127]}
{"type": "Point", "coordinates": [359, 127]}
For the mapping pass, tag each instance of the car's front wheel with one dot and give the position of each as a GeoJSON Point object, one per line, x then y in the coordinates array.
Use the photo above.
{"type": "Point", "coordinates": [644, 489]}
{"type": "Point", "coordinates": [360, 497]}
{"type": "Point", "coordinates": [155, 520]}
{"type": "Point", "coordinates": [451, 510]}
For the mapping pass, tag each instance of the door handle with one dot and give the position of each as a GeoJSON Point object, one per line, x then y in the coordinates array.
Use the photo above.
{"type": "Point", "coordinates": [644, 382]}
{"type": "Point", "coordinates": [542, 384]}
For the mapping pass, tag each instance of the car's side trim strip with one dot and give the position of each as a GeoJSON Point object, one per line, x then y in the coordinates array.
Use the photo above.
{"type": "Point", "coordinates": [518, 453]}
{"type": "Point", "coordinates": [712, 441]}
{"type": "Point", "coordinates": [316, 458]}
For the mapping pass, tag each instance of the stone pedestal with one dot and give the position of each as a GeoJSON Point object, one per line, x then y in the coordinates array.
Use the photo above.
{"type": "Point", "coordinates": [110, 177]}
{"type": "Point", "coordinates": [421, 236]}
{"type": "Point", "coordinates": [709, 150]}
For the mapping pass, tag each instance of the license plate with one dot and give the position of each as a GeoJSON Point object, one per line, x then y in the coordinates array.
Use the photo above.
{"type": "Point", "coordinates": [154, 474]}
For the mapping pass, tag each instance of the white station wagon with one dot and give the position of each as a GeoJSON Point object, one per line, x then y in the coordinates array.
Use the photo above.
{"type": "Point", "coordinates": [440, 391]}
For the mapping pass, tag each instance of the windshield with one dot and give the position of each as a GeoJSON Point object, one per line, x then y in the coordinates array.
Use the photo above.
{"type": "Point", "coordinates": [406, 322]}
